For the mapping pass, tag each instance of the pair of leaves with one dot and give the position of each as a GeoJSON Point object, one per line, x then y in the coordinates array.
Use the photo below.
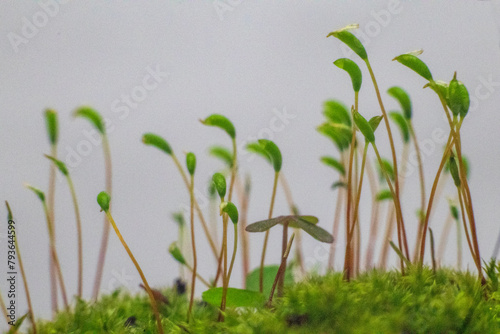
{"type": "Point", "coordinates": [305, 223]}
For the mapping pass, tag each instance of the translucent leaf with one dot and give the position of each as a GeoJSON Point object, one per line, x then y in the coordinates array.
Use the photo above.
{"type": "Point", "coordinates": [274, 153]}
{"type": "Point", "coordinates": [93, 117]}
{"type": "Point", "coordinates": [340, 134]}
{"type": "Point", "coordinates": [383, 195]}
{"type": "Point", "coordinates": [458, 97]}
{"type": "Point", "coordinates": [103, 199]}
{"type": "Point", "coordinates": [222, 154]}
{"type": "Point", "coordinates": [350, 40]}
{"type": "Point", "coordinates": [337, 112]}
{"type": "Point", "coordinates": [221, 122]}
{"type": "Point", "coordinates": [234, 297]}
{"type": "Point", "coordinates": [52, 125]}
{"type": "Point", "coordinates": [157, 141]}
{"type": "Point", "coordinates": [334, 163]}
{"type": "Point", "coordinates": [375, 121]}
{"type": "Point", "coordinates": [353, 70]}
{"type": "Point", "coordinates": [414, 63]}
{"type": "Point", "coordinates": [231, 211]}
{"type": "Point", "coordinates": [253, 279]}
{"type": "Point", "coordinates": [363, 126]}
{"type": "Point", "coordinates": [191, 162]}
{"type": "Point", "coordinates": [59, 164]}
{"type": "Point", "coordinates": [403, 99]}
{"type": "Point", "coordinates": [220, 184]}
{"type": "Point", "coordinates": [176, 253]}
{"type": "Point", "coordinates": [402, 125]}
{"type": "Point", "coordinates": [256, 148]}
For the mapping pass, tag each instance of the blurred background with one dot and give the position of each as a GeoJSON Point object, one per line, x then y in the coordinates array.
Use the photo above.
{"type": "Point", "coordinates": [161, 66]}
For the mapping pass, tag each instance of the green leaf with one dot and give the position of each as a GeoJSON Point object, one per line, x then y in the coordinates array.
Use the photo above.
{"type": "Point", "coordinates": [178, 217]}
{"type": "Point", "coordinates": [403, 99]}
{"type": "Point", "coordinates": [256, 148]}
{"type": "Point", "coordinates": [350, 40]}
{"type": "Point", "coordinates": [270, 272]}
{"type": "Point", "coordinates": [222, 154]}
{"type": "Point", "coordinates": [231, 211]}
{"type": "Point", "coordinates": [157, 141]}
{"type": "Point", "coordinates": [364, 126]}
{"type": "Point", "coordinates": [465, 163]}
{"type": "Point", "coordinates": [340, 134]}
{"type": "Point", "coordinates": [274, 153]}
{"type": "Point", "coordinates": [458, 97]}
{"type": "Point", "coordinates": [454, 211]}
{"type": "Point", "coordinates": [191, 163]}
{"type": "Point", "coordinates": [354, 72]}
{"type": "Point", "coordinates": [103, 199]}
{"type": "Point", "coordinates": [383, 195]}
{"type": "Point", "coordinates": [17, 324]}
{"type": "Point", "coordinates": [375, 121]}
{"type": "Point", "coordinates": [176, 253]}
{"type": "Point", "coordinates": [9, 211]}
{"type": "Point", "coordinates": [338, 184]}
{"type": "Point", "coordinates": [92, 116]}
{"type": "Point", "coordinates": [454, 170]}
{"type": "Point", "coordinates": [234, 298]}
{"type": "Point", "coordinates": [220, 184]}
{"type": "Point", "coordinates": [400, 254]}
{"type": "Point", "coordinates": [52, 125]}
{"type": "Point", "coordinates": [402, 125]}
{"type": "Point", "coordinates": [59, 164]}
{"type": "Point", "coordinates": [334, 163]}
{"type": "Point", "coordinates": [38, 192]}
{"type": "Point", "coordinates": [264, 225]}
{"type": "Point", "coordinates": [312, 229]}
{"type": "Point", "coordinates": [414, 63]}
{"type": "Point", "coordinates": [220, 122]}
{"type": "Point", "coordinates": [337, 112]}
{"type": "Point", "coordinates": [387, 167]}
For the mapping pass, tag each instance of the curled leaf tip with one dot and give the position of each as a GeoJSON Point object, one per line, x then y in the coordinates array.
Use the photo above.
{"type": "Point", "coordinates": [157, 141]}
{"type": "Point", "coordinates": [176, 253]}
{"type": "Point", "coordinates": [231, 210]}
{"type": "Point", "coordinates": [92, 116]}
{"type": "Point", "coordinates": [59, 164]}
{"type": "Point", "coordinates": [103, 199]}
{"type": "Point", "coordinates": [221, 122]}
{"type": "Point", "coordinates": [38, 192]}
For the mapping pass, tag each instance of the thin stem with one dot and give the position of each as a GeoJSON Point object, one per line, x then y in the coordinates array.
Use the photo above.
{"type": "Point", "coordinates": [266, 238]}
{"type": "Point", "coordinates": [79, 235]}
{"type": "Point", "coordinates": [235, 247]}
{"type": "Point", "coordinates": [336, 220]}
{"type": "Point", "coordinates": [197, 207]}
{"type": "Point", "coordinates": [193, 244]}
{"type": "Point", "coordinates": [348, 251]}
{"type": "Point", "coordinates": [105, 231]}
{"type": "Point", "coordinates": [433, 256]}
{"type": "Point", "coordinates": [281, 280]}
{"type": "Point", "coordinates": [374, 215]}
{"type": "Point", "coordinates": [139, 270]}
{"type": "Point", "coordinates": [51, 205]}
{"type": "Point", "coordinates": [234, 170]}
{"type": "Point", "coordinates": [245, 246]}
{"type": "Point", "coordinates": [55, 258]}
{"type": "Point", "coordinates": [460, 199]}
{"type": "Point", "coordinates": [281, 270]}
{"type": "Point", "coordinates": [224, 273]}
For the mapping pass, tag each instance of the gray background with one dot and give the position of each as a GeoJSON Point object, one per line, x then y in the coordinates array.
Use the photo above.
{"type": "Point", "coordinates": [249, 60]}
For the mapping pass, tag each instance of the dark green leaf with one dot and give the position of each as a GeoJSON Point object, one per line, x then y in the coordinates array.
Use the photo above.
{"type": "Point", "coordinates": [350, 40]}
{"type": "Point", "coordinates": [264, 225]}
{"type": "Point", "coordinates": [223, 154]}
{"type": "Point", "coordinates": [340, 134]}
{"type": "Point", "coordinates": [454, 211]}
{"type": "Point", "coordinates": [354, 72]}
{"type": "Point", "coordinates": [234, 298]}
{"type": "Point", "coordinates": [52, 125]}
{"type": "Point", "coordinates": [454, 171]}
{"type": "Point", "coordinates": [221, 122]}
{"type": "Point", "coordinates": [270, 272]}
{"type": "Point", "coordinates": [383, 195]}
{"type": "Point", "coordinates": [363, 126]}
{"type": "Point", "coordinates": [402, 125]}
{"type": "Point", "coordinates": [458, 97]}
{"type": "Point", "coordinates": [375, 121]}
{"type": "Point", "coordinates": [176, 253]}
{"type": "Point", "coordinates": [334, 163]}
{"type": "Point", "coordinates": [274, 153]}
{"type": "Point", "coordinates": [220, 184]}
{"type": "Point", "coordinates": [337, 112]}
{"type": "Point", "coordinates": [191, 163]}
{"type": "Point", "coordinates": [59, 164]}
{"type": "Point", "coordinates": [157, 141]}
{"type": "Point", "coordinates": [337, 184]}
{"type": "Point", "coordinates": [414, 63]}
{"type": "Point", "coordinates": [312, 229]}
{"type": "Point", "coordinates": [103, 199]}
{"type": "Point", "coordinates": [92, 116]}
{"type": "Point", "coordinates": [231, 211]}
{"type": "Point", "coordinates": [403, 98]}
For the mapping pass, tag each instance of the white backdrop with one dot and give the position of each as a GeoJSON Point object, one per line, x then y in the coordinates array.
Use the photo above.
{"type": "Point", "coordinates": [267, 66]}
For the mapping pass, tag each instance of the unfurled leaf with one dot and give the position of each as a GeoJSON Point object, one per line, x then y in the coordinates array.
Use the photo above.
{"type": "Point", "coordinates": [402, 125]}
{"type": "Point", "coordinates": [103, 199]}
{"type": "Point", "coordinates": [222, 154]}
{"type": "Point", "coordinates": [414, 63]}
{"type": "Point", "coordinates": [350, 40]}
{"type": "Point", "coordinates": [59, 164]}
{"type": "Point", "coordinates": [313, 230]}
{"type": "Point", "coordinates": [363, 126]}
{"type": "Point", "coordinates": [274, 153]}
{"type": "Point", "coordinates": [38, 192]}
{"type": "Point", "coordinates": [375, 121]}
{"type": "Point", "coordinates": [403, 99]}
{"type": "Point", "coordinates": [458, 97]}
{"type": "Point", "coordinates": [92, 116]}
{"type": "Point", "coordinates": [383, 195]}
{"type": "Point", "coordinates": [52, 125]}
{"type": "Point", "coordinates": [353, 70]}
{"type": "Point", "coordinates": [231, 211]}
{"type": "Point", "coordinates": [337, 112]}
{"type": "Point", "coordinates": [253, 279]}
{"type": "Point", "coordinates": [221, 122]}
{"type": "Point", "coordinates": [176, 253]}
{"type": "Point", "coordinates": [334, 163]}
{"type": "Point", "coordinates": [234, 298]}
{"type": "Point", "coordinates": [157, 141]}
{"type": "Point", "coordinates": [220, 184]}
{"type": "Point", "coordinates": [340, 134]}
{"type": "Point", "coordinates": [191, 163]}
{"type": "Point", "coordinates": [256, 148]}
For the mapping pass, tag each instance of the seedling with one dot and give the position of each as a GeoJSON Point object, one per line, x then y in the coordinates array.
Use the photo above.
{"type": "Point", "coordinates": [191, 167]}
{"type": "Point", "coordinates": [96, 120]}
{"type": "Point", "coordinates": [176, 253]}
{"type": "Point", "coordinates": [104, 201]}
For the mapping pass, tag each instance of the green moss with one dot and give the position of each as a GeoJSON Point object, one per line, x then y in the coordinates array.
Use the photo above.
{"type": "Point", "coordinates": [375, 302]}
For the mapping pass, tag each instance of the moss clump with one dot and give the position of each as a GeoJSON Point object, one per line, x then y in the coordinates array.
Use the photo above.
{"type": "Point", "coordinates": [375, 302]}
